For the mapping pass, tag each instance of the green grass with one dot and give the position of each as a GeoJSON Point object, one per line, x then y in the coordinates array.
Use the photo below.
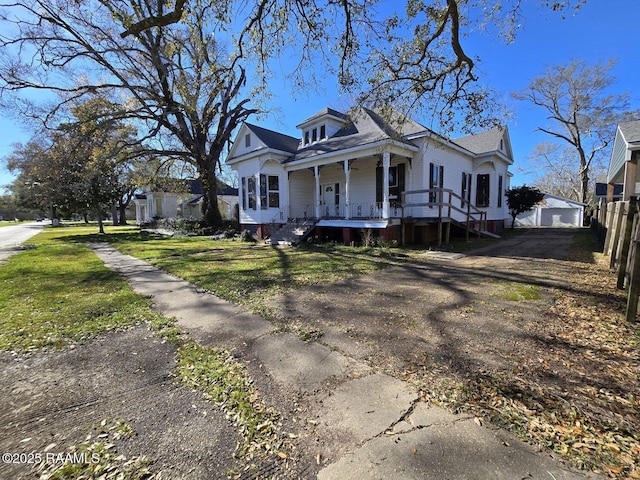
{"type": "Point", "coordinates": [10, 223]}
{"type": "Point", "coordinates": [97, 458]}
{"type": "Point", "coordinates": [59, 292]}
{"type": "Point", "coordinates": [53, 295]}
{"type": "Point", "coordinates": [245, 273]}
{"type": "Point", "coordinates": [517, 292]}
{"type": "Point", "coordinates": [226, 382]}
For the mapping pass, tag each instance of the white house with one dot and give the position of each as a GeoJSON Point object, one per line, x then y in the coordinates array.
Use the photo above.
{"type": "Point", "coordinates": [180, 199]}
{"type": "Point", "coordinates": [553, 211]}
{"type": "Point", "coordinates": [329, 179]}
{"type": "Point", "coordinates": [623, 166]}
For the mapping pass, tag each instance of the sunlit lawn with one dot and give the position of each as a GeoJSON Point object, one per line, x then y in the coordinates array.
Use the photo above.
{"type": "Point", "coordinates": [54, 294]}
{"type": "Point", "coordinates": [240, 272]}
{"type": "Point", "coordinates": [246, 273]}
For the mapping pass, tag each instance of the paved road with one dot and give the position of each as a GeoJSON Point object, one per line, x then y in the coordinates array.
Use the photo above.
{"type": "Point", "coordinates": [11, 237]}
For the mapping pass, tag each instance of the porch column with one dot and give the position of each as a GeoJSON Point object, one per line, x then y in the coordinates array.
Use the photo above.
{"type": "Point", "coordinates": [386, 160]}
{"type": "Point", "coordinates": [316, 173]}
{"type": "Point", "coordinates": [610, 192]}
{"type": "Point", "coordinates": [347, 171]}
{"type": "Point", "coordinates": [630, 168]}
{"type": "Point", "coordinates": [138, 214]}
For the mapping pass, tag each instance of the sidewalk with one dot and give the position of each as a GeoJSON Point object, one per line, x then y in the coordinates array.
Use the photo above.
{"type": "Point", "coordinates": [375, 424]}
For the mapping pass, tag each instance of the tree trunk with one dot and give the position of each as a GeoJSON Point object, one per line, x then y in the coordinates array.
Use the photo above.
{"type": "Point", "coordinates": [100, 223]}
{"type": "Point", "coordinates": [114, 214]}
{"type": "Point", "coordinates": [210, 209]}
{"type": "Point", "coordinates": [584, 184]}
{"type": "Point", "coordinates": [123, 214]}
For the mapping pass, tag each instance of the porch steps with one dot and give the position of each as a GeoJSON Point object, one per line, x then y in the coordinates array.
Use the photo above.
{"type": "Point", "coordinates": [484, 233]}
{"type": "Point", "coordinates": [291, 233]}
{"type": "Point", "coordinates": [474, 230]}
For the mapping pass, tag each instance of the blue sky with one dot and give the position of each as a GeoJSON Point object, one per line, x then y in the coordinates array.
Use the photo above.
{"type": "Point", "coordinates": [600, 30]}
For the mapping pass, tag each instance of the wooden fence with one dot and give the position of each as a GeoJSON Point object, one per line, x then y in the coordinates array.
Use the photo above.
{"type": "Point", "coordinates": [619, 224]}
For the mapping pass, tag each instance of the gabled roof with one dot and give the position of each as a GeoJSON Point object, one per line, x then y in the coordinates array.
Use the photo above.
{"type": "Point", "coordinates": [362, 127]}
{"type": "Point", "coordinates": [275, 140]}
{"type": "Point", "coordinates": [626, 141]}
{"type": "Point", "coordinates": [559, 202]}
{"type": "Point", "coordinates": [483, 142]}
{"type": "Point", "coordinates": [630, 131]}
{"type": "Point", "coordinates": [322, 113]}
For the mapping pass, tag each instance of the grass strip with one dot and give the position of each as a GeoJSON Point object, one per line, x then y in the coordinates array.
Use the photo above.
{"type": "Point", "coordinates": [226, 382]}
{"type": "Point", "coordinates": [54, 295]}
{"type": "Point", "coordinates": [97, 457]}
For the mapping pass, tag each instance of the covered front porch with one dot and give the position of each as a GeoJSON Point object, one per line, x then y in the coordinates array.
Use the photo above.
{"type": "Point", "coordinates": [350, 189]}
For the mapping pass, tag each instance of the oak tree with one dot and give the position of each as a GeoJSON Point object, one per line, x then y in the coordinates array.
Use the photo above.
{"type": "Point", "coordinates": [186, 70]}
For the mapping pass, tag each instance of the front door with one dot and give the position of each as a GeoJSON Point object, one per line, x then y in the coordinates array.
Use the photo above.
{"type": "Point", "coordinates": [330, 199]}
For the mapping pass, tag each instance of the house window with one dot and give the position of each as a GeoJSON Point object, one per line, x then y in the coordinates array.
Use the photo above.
{"type": "Point", "coordinates": [158, 206]}
{"type": "Point", "coordinates": [314, 135]}
{"type": "Point", "coordinates": [251, 192]}
{"type": "Point", "coordinates": [323, 132]}
{"type": "Point", "coordinates": [465, 192]}
{"type": "Point", "coordinates": [247, 140]}
{"type": "Point", "coordinates": [436, 180]}
{"type": "Point", "coordinates": [499, 191]}
{"type": "Point", "coordinates": [269, 191]}
{"type": "Point", "coordinates": [306, 137]}
{"type": "Point", "coordinates": [393, 177]}
{"type": "Point", "coordinates": [482, 190]}
{"type": "Point", "coordinates": [273, 191]}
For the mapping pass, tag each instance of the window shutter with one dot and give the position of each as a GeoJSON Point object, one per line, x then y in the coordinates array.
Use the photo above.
{"type": "Point", "coordinates": [401, 183]}
{"type": "Point", "coordinates": [378, 184]}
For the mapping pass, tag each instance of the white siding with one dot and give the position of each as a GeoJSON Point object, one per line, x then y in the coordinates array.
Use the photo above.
{"type": "Point", "coordinates": [240, 147]}
{"type": "Point", "coordinates": [301, 194]}
{"type": "Point", "coordinates": [362, 193]}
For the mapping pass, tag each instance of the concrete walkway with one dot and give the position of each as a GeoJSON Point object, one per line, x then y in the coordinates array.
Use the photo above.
{"type": "Point", "coordinates": [386, 432]}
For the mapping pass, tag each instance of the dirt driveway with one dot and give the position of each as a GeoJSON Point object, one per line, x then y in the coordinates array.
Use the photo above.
{"type": "Point", "coordinates": [516, 333]}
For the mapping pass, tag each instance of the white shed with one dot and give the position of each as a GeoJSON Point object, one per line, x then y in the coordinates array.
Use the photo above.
{"type": "Point", "coordinates": [553, 211]}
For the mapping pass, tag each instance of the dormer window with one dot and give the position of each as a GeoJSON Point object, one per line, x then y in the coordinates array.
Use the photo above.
{"type": "Point", "coordinates": [247, 140]}
{"type": "Point", "coordinates": [317, 132]}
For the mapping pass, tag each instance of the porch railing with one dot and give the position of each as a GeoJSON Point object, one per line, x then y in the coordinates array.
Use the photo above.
{"type": "Point", "coordinates": [443, 199]}
{"type": "Point", "coordinates": [445, 202]}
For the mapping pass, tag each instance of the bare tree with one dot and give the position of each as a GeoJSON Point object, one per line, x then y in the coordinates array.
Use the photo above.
{"type": "Point", "coordinates": [555, 169]}
{"type": "Point", "coordinates": [581, 109]}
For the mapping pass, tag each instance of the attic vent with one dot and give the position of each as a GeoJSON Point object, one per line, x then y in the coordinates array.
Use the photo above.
{"type": "Point", "coordinates": [501, 144]}
{"type": "Point", "coordinates": [247, 140]}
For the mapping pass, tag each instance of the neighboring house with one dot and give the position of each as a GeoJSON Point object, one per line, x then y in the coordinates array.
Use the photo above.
{"type": "Point", "coordinates": [623, 166]}
{"type": "Point", "coordinates": [602, 191]}
{"type": "Point", "coordinates": [553, 211]}
{"type": "Point", "coordinates": [180, 199]}
{"type": "Point", "coordinates": [329, 180]}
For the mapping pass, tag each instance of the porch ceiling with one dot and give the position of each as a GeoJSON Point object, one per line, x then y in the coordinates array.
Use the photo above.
{"type": "Point", "coordinates": [362, 151]}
